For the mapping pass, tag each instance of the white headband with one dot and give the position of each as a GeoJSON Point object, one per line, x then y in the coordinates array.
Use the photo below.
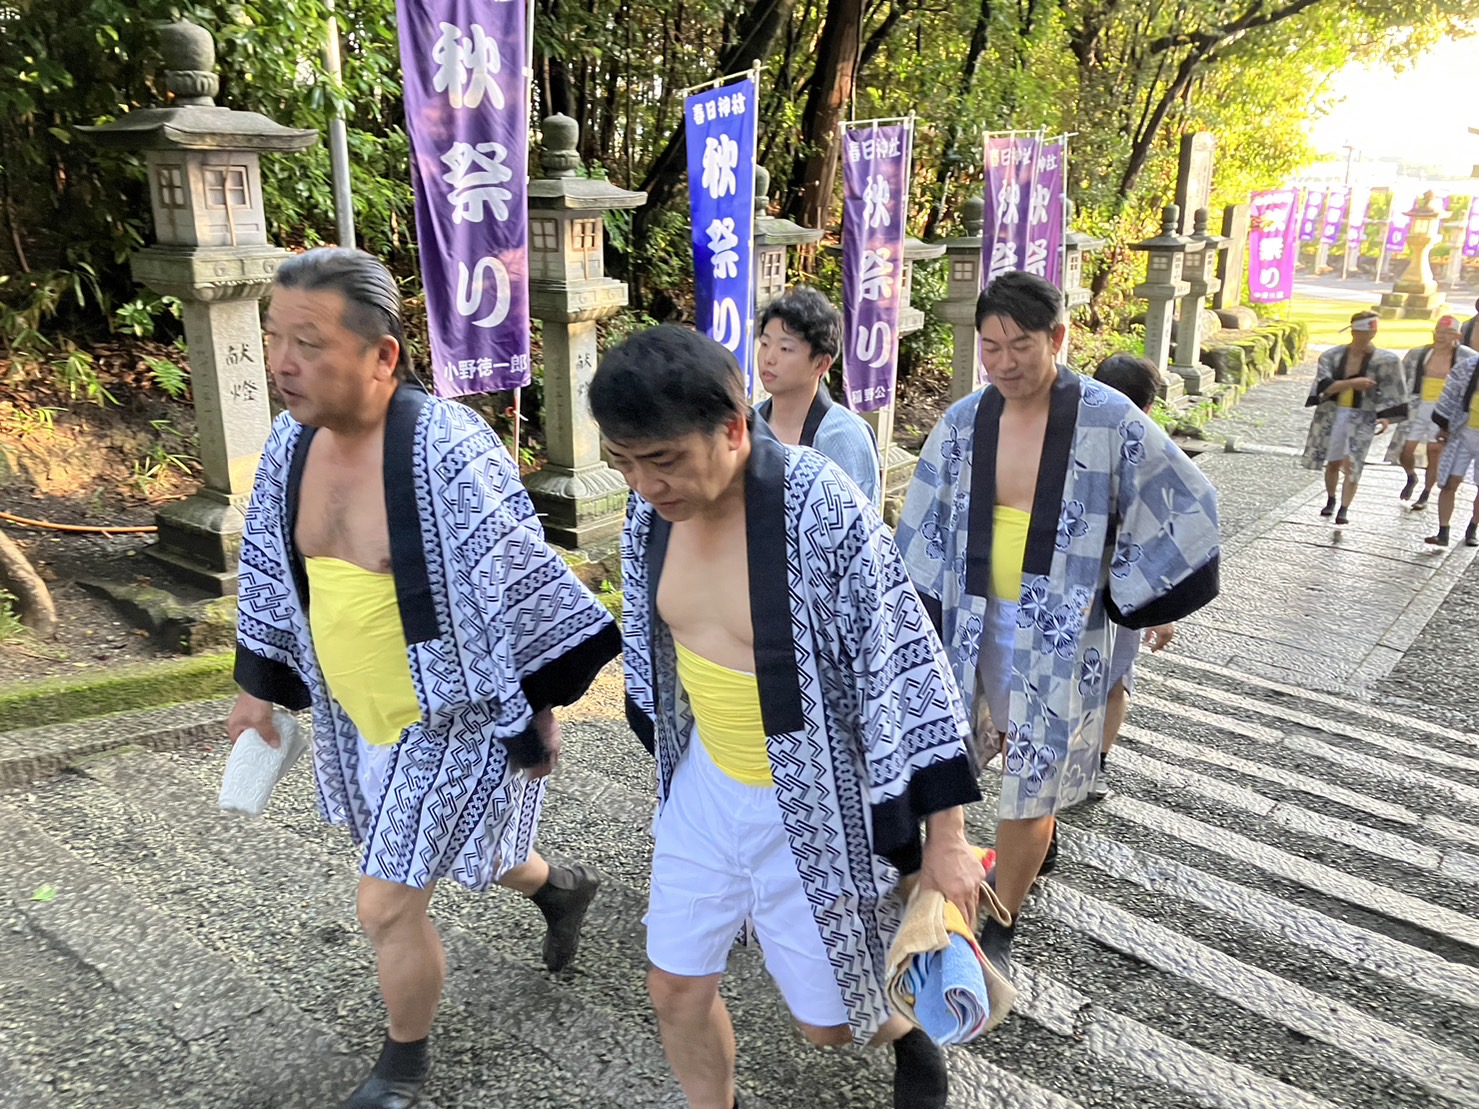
{"type": "Point", "coordinates": [1368, 324]}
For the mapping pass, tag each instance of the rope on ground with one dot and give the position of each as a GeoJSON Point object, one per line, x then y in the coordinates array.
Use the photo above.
{"type": "Point", "coordinates": [86, 529]}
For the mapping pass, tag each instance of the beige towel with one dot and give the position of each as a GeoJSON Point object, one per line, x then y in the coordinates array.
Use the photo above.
{"type": "Point", "coordinates": [925, 929]}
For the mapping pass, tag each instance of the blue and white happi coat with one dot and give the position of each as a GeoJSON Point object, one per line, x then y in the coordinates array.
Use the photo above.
{"type": "Point", "coordinates": [865, 729]}
{"type": "Point", "coordinates": [496, 628]}
{"type": "Point", "coordinates": [843, 436]}
{"type": "Point", "coordinates": [1387, 401]}
{"type": "Point", "coordinates": [1123, 532]}
{"type": "Point", "coordinates": [1452, 414]}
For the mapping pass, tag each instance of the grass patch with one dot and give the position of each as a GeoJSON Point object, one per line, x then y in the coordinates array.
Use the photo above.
{"type": "Point", "coordinates": [1326, 318]}
{"type": "Point", "coordinates": [59, 700]}
{"type": "Point", "coordinates": [10, 621]}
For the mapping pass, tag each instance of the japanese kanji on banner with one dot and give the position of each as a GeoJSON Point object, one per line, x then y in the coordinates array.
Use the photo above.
{"type": "Point", "coordinates": [1398, 225]}
{"type": "Point", "coordinates": [721, 193]}
{"type": "Point", "coordinates": [1272, 226]}
{"type": "Point", "coordinates": [1044, 255]}
{"type": "Point", "coordinates": [1471, 230]}
{"type": "Point", "coordinates": [1011, 172]}
{"type": "Point", "coordinates": [875, 205]}
{"type": "Point", "coordinates": [1335, 209]}
{"type": "Point", "coordinates": [467, 114]}
{"type": "Point", "coordinates": [1309, 222]}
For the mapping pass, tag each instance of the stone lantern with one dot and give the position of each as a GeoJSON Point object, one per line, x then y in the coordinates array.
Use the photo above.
{"type": "Point", "coordinates": [1200, 274]}
{"type": "Point", "coordinates": [1075, 245]}
{"type": "Point", "coordinates": [773, 239]}
{"type": "Point", "coordinates": [1163, 287]}
{"type": "Point", "coordinates": [581, 499]}
{"type": "Point", "coordinates": [205, 189]}
{"type": "Point", "coordinates": [1415, 296]}
{"type": "Point", "coordinates": [959, 308]}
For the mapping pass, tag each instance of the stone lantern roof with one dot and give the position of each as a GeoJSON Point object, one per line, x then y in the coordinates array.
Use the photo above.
{"type": "Point", "coordinates": [770, 230]}
{"type": "Point", "coordinates": [973, 221]}
{"type": "Point", "coordinates": [1168, 240]}
{"type": "Point", "coordinates": [1078, 240]}
{"type": "Point", "coordinates": [560, 187]}
{"type": "Point", "coordinates": [193, 121]}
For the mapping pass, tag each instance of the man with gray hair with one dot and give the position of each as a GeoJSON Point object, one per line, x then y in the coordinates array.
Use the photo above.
{"type": "Point", "coordinates": [441, 633]}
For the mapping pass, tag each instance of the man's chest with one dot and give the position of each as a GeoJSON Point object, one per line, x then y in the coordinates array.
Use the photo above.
{"type": "Point", "coordinates": [705, 585]}
{"type": "Point", "coordinates": [342, 515]}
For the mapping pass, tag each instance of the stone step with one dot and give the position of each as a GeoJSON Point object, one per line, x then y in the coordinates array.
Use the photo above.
{"type": "Point", "coordinates": [276, 1056]}
{"type": "Point", "coordinates": [33, 753]}
{"type": "Point", "coordinates": [506, 1022]}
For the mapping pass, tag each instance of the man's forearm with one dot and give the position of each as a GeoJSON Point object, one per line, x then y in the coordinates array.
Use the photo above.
{"type": "Point", "coordinates": [947, 823]}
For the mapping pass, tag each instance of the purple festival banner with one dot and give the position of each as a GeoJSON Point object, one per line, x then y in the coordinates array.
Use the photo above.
{"type": "Point", "coordinates": [1360, 214]}
{"type": "Point", "coordinates": [467, 114]}
{"type": "Point", "coordinates": [1309, 222]}
{"type": "Point", "coordinates": [1271, 231]}
{"type": "Point", "coordinates": [875, 206]}
{"type": "Point", "coordinates": [1399, 223]}
{"type": "Point", "coordinates": [721, 125]}
{"type": "Point", "coordinates": [1335, 214]}
{"type": "Point", "coordinates": [1011, 169]}
{"type": "Point", "coordinates": [1045, 214]}
{"type": "Point", "coordinates": [1471, 231]}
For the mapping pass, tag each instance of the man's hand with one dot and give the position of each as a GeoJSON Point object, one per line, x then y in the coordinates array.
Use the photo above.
{"type": "Point", "coordinates": [548, 730]}
{"type": "Point", "coordinates": [1382, 425]}
{"type": "Point", "coordinates": [252, 712]}
{"type": "Point", "coordinates": [1159, 637]}
{"type": "Point", "coordinates": [1360, 384]}
{"type": "Point", "coordinates": [950, 866]}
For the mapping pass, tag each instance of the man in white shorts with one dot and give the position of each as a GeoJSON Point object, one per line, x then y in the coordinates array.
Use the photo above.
{"type": "Point", "coordinates": [1358, 389]}
{"type": "Point", "coordinates": [1426, 369]}
{"type": "Point", "coordinates": [1457, 417]}
{"type": "Point", "coordinates": [784, 672]}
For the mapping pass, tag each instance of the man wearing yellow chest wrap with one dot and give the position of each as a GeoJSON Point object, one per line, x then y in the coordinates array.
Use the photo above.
{"type": "Point", "coordinates": [1426, 370]}
{"type": "Point", "coordinates": [395, 578]}
{"type": "Point", "coordinates": [783, 672]}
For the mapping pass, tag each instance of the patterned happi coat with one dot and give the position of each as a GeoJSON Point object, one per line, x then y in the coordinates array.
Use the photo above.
{"type": "Point", "coordinates": [1123, 531]}
{"type": "Point", "coordinates": [496, 628]}
{"type": "Point", "coordinates": [1387, 401]}
{"type": "Point", "coordinates": [1414, 363]}
{"type": "Point", "coordinates": [866, 731]}
{"type": "Point", "coordinates": [1452, 412]}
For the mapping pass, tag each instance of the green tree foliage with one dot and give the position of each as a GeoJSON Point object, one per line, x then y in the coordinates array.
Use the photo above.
{"type": "Point", "coordinates": [1129, 77]}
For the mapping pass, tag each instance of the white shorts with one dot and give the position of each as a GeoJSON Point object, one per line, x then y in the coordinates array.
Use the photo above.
{"type": "Point", "coordinates": [1340, 435]}
{"type": "Point", "coordinates": [1420, 425]}
{"type": "Point", "coordinates": [994, 665]}
{"type": "Point", "coordinates": [722, 857]}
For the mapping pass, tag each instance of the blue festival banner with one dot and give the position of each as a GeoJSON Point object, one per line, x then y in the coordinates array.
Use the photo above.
{"type": "Point", "coordinates": [467, 114]}
{"type": "Point", "coordinates": [875, 207]}
{"type": "Point", "coordinates": [721, 127]}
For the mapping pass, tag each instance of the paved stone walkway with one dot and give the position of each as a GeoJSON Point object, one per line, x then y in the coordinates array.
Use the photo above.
{"type": "Point", "coordinates": [1275, 908]}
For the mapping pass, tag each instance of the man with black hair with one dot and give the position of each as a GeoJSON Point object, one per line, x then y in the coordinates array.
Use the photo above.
{"type": "Point", "coordinates": [1046, 509]}
{"type": "Point", "coordinates": [801, 711]}
{"type": "Point", "coordinates": [800, 335]}
{"type": "Point", "coordinates": [394, 577]}
{"type": "Point", "coordinates": [1359, 388]}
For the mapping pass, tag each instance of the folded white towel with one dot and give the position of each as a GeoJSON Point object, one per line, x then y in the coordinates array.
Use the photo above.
{"type": "Point", "coordinates": [254, 768]}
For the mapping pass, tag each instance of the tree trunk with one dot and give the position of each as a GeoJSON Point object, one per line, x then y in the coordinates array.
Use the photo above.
{"type": "Point", "coordinates": [950, 153]}
{"type": "Point", "coordinates": [17, 575]}
{"type": "Point", "coordinates": [815, 170]}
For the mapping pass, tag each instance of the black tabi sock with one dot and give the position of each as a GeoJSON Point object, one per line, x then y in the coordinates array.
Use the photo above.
{"type": "Point", "coordinates": [404, 1062]}
{"type": "Point", "coordinates": [551, 897]}
{"type": "Point", "coordinates": [1443, 533]}
{"type": "Point", "coordinates": [1103, 759]}
{"type": "Point", "coordinates": [920, 1077]}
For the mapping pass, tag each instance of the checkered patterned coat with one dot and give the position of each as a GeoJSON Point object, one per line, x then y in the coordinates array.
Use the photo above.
{"type": "Point", "coordinates": [1123, 531]}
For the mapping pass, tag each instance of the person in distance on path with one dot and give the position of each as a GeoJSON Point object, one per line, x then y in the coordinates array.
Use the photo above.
{"type": "Point", "coordinates": [1425, 368]}
{"type": "Point", "coordinates": [1047, 508]}
{"type": "Point", "coordinates": [395, 579]}
{"type": "Point", "coordinates": [1358, 389]}
{"type": "Point", "coordinates": [800, 335]}
{"type": "Point", "coordinates": [1457, 417]}
{"type": "Point", "coordinates": [782, 670]}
